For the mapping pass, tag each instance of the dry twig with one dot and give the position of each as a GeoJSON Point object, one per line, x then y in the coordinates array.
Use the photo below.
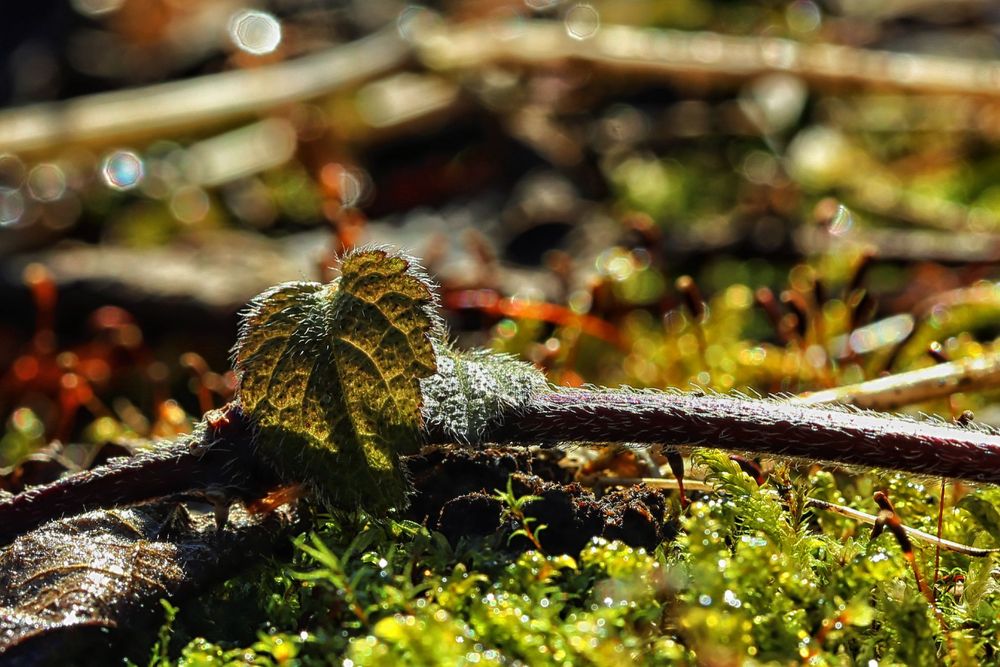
{"type": "Point", "coordinates": [895, 391]}
{"type": "Point", "coordinates": [674, 53]}
{"type": "Point", "coordinates": [169, 108]}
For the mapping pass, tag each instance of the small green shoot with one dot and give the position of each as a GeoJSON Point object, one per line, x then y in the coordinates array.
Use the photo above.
{"type": "Point", "coordinates": [160, 654]}
{"type": "Point", "coordinates": [514, 509]}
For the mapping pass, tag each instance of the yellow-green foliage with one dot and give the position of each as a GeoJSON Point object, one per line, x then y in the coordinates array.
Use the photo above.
{"type": "Point", "coordinates": [751, 579]}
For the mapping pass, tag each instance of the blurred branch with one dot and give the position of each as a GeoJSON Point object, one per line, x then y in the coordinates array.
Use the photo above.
{"type": "Point", "coordinates": [984, 295]}
{"type": "Point", "coordinates": [906, 244]}
{"type": "Point", "coordinates": [895, 391]}
{"type": "Point", "coordinates": [678, 53]}
{"type": "Point", "coordinates": [169, 108]}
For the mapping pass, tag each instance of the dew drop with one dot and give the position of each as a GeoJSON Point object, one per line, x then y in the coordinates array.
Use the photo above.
{"type": "Point", "coordinates": [842, 221]}
{"type": "Point", "coordinates": [731, 599]}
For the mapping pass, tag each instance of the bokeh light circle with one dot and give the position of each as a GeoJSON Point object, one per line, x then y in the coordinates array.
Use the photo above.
{"type": "Point", "coordinates": [11, 206]}
{"type": "Point", "coordinates": [582, 21]}
{"type": "Point", "coordinates": [254, 31]}
{"type": "Point", "coordinates": [46, 182]}
{"type": "Point", "coordinates": [122, 170]}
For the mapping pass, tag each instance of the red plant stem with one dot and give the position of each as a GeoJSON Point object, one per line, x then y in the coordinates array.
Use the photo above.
{"type": "Point", "coordinates": [490, 301]}
{"type": "Point", "coordinates": [222, 461]}
{"type": "Point", "coordinates": [220, 465]}
{"type": "Point", "coordinates": [772, 427]}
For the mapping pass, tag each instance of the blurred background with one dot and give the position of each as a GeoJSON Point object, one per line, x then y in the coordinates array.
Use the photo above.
{"type": "Point", "coordinates": [759, 196]}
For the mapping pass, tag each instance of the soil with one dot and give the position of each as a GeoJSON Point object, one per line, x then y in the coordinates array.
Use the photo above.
{"type": "Point", "coordinates": [456, 495]}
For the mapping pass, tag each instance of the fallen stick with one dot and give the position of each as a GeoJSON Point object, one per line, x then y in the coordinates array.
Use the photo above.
{"type": "Point", "coordinates": [338, 381]}
{"type": "Point", "coordinates": [895, 391]}
{"type": "Point", "coordinates": [676, 53]}
{"type": "Point", "coordinates": [215, 99]}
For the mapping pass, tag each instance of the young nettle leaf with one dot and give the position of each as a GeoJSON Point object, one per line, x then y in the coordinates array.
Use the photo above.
{"type": "Point", "coordinates": [472, 392]}
{"type": "Point", "coordinates": [331, 376]}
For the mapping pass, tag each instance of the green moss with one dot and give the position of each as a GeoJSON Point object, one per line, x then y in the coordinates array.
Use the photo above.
{"type": "Point", "coordinates": [752, 579]}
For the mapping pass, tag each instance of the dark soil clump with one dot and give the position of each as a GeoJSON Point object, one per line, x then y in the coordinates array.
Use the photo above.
{"type": "Point", "coordinates": [456, 495]}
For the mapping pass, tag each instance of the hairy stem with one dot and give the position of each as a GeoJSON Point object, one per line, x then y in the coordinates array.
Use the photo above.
{"type": "Point", "coordinates": [221, 461]}
{"type": "Point", "coordinates": [764, 426]}
{"type": "Point", "coordinates": [217, 464]}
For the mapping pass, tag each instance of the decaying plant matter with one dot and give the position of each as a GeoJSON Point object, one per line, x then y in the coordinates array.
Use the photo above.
{"type": "Point", "coordinates": [73, 584]}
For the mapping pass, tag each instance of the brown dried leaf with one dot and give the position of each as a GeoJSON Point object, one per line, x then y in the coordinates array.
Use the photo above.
{"type": "Point", "coordinates": [79, 583]}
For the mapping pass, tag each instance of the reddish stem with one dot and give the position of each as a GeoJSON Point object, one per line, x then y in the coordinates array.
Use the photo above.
{"type": "Point", "coordinates": [222, 461]}
{"type": "Point", "coordinates": [219, 465]}
{"type": "Point", "coordinates": [772, 427]}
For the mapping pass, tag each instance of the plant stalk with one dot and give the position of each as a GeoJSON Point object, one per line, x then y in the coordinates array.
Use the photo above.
{"type": "Point", "coordinates": [220, 463]}
{"type": "Point", "coordinates": [217, 465]}
{"type": "Point", "coordinates": [759, 426]}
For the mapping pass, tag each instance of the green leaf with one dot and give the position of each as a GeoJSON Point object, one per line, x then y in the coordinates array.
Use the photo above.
{"type": "Point", "coordinates": [331, 375]}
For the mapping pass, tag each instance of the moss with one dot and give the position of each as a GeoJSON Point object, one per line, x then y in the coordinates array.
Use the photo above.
{"type": "Point", "coordinates": [751, 580]}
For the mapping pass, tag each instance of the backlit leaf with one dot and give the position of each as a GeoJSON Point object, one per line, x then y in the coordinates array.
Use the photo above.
{"type": "Point", "coordinates": [331, 374]}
